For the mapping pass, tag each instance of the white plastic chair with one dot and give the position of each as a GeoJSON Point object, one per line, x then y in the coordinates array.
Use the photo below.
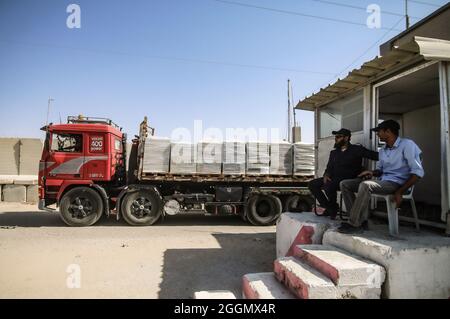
{"type": "Point", "coordinates": [393, 212]}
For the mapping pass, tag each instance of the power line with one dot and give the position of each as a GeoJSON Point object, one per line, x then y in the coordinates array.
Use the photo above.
{"type": "Point", "coordinates": [293, 13]}
{"type": "Point", "coordinates": [425, 3]}
{"type": "Point", "coordinates": [168, 58]}
{"type": "Point", "coordinates": [363, 54]}
{"type": "Point", "coordinates": [360, 8]}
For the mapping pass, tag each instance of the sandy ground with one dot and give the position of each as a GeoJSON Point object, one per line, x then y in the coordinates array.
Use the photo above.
{"type": "Point", "coordinates": [42, 258]}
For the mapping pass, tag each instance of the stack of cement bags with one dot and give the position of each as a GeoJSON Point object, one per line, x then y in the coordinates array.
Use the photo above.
{"type": "Point", "coordinates": [258, 158]}
{"type": "Point", "coordinates": [156, 155]}
{"type": "Point", "coordinates": [303, 159]}
{"type": "Point", "coordinates": [281, 158]}
{"type": "Point", "coordinates": [182, 158]}
{"type": "Point", "coordinates": [233, 158]}
{"type": "Point", "coordinates": [209, 158]}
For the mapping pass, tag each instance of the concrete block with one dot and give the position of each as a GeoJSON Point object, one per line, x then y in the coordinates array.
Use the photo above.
{"type": "Point", "coordinates": [417, 265]}
{"type": "Point", "coordinates": [217, 294]}
{"type": "Point", "coordinates": [32, 194]}
{"type": "Point", "coordinates": [9, 156]}
{"type": "Point", "coordinates": [343, 268]}
{"type": "Point", "coordinates": [30, 154]}
{"type": "Point", "coordinates": [6, 179]}
{"type": "Point", "coordinates": [26, 179]}
{"type": "Point", "coordinates": [299, 229]}
{"type": "Point", "coordinates": [14, 193]}
{"type": "Point", "coordinates": [264, 286]}
{"type": "Point", "coordinates": [304, 281]}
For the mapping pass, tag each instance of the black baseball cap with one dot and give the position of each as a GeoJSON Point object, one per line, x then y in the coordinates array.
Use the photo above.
{"type": "Point", "coordinates": [342, 131]}
{"type": "Point", "coordinates": [388, 124]}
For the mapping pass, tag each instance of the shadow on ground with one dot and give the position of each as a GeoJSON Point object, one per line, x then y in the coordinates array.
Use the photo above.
{"type": "Point", "coordinates": [186, 271]}
{"type": "Point", "coordinates": [52, 219]}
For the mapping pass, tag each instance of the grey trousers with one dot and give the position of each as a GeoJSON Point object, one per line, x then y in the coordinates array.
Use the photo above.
{"type": "Point", "coordinates": [358, 206]}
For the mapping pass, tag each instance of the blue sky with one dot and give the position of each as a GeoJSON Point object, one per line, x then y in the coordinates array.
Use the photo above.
{"type": "Point", "coordinates": [177, 61]}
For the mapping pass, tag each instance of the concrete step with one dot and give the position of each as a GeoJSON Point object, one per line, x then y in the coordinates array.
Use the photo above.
{"type": "Point", "coordinates": [304, 281]}
{"type": "Point", "coordinates": [343, 268]}
{"type": "Point", "coordinates": [417, 264]}
{"type": "Point", "coordinates": [300, 229]}
{"type": "Point", "coordinates": [264, 286]}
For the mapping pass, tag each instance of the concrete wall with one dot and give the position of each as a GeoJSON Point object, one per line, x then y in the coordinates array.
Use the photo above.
{"type": "Point", "coordinates": [19, 167]}
{"type": "Point", "coordinates": [20, 156]}
{"type": "Point", "coordinates": [30, 154]}
{"type": "Point", "coordinates": [9, 156]}
{"type": "Point", "coordinates": [428, 190]}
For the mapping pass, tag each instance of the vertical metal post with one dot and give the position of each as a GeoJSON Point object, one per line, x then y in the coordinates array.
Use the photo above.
{"type": "Point", "coordinates": [406, 14]}
{"type": "Point", "coordinates": [289, 112]}
{"type": "Point", "coordinates": [444, 79]}
{"type": "Point", "coordinates": [48, 109]}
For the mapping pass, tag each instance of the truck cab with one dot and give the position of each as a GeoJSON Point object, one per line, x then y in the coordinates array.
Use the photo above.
{"type": "Point", "coordinates": [85, 155]}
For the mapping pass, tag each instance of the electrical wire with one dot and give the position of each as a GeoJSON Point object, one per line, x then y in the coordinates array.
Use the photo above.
{"type": "Point", "coordinates": [293, 13]}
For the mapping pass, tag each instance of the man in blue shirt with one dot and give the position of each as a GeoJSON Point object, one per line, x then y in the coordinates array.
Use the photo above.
{"type": "Point", "coordinates": [399, 168]}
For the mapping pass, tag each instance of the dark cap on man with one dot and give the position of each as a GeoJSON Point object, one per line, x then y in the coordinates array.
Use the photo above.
{"type": "Point", "coordinates": [392, 125]}
{"type": "Point", "coordinates": [343, 132]}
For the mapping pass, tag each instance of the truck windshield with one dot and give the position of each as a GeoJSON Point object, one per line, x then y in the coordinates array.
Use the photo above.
{"type": "Point", "coordinates": [69, 143]}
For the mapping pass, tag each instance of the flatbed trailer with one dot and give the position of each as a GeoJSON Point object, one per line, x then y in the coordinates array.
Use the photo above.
{"type": "Point", "coordinates": [103, 185]}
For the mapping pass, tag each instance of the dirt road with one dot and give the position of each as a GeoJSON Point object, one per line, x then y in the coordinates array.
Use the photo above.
{"type": "Point", "coordinates": [42, 258]}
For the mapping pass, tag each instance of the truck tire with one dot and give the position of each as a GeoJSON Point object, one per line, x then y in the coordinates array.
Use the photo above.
{"type": "Point", "coordinates": [263, 210]}
{"type": "Point", "coordinates": [81, 206]}
{"type": "Point", "coordinates": [297, 204]}
{"type": "Point", "coordinates": [141, 208]}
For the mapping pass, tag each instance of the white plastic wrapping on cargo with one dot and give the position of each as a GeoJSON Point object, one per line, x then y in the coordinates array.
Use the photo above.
{"type": "Point", "coordinates": [258, 158]}
{"type": "Point", "coordinates": [156, 155]}
{"type": "Point", "coordinates": [281, 158]}
{"type": "Point", "coordinates": [304, 159]}
{"type": "Point", "coordinates": [183, 158]}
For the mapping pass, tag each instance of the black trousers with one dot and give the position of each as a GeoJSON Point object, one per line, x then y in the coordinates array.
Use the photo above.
{"type": "Point", "coordinates": [317, 185]}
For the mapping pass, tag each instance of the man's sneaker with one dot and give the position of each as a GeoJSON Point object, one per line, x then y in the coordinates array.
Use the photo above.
{"type": "Point", "coordinates": [346, 228]}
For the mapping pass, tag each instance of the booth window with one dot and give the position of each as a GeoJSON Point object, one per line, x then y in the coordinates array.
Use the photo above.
{"type": "Point", "coordinates": [347, 112]}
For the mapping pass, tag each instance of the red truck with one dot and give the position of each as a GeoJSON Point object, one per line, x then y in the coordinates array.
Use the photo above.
{"type": "Point", "coordinates": [83, 170]}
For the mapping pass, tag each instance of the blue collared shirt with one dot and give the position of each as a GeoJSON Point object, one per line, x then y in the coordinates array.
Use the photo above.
{"type": "Point", "coordinates": [399, 162]}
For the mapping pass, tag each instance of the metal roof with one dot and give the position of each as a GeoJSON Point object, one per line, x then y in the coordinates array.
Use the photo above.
{"type": "Point", "coordinates": [420, 48]}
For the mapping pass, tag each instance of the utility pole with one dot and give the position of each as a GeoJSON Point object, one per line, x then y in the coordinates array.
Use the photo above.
{"type": "Point", "coordinates": [406, 14]}
{"type": "Point", "coordinates": [48, 109]}
{"type": "Point", "coordinates": [289, 127]}
{"type": "Point", "coordinates": [293, 108]}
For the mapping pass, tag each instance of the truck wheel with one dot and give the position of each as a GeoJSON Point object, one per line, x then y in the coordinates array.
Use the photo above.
{"type": "Point", "coordinates": [263, 210]}
{"type": "Point", "coordinates": [142, 208]}
{"type": "Point", "coordinates": [296, 204]}
{"type": "Point", "coordinates": [81, 206]}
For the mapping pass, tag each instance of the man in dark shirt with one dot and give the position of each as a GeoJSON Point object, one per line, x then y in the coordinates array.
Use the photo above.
{"type": "Point", "coordinates": [345, 162]}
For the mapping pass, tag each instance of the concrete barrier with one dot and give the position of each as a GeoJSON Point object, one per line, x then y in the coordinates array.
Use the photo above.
{"type": "Point", "coordinates": [417, 265]}
{"type": "Point", "coordinates": [14, 193]}
{"type": "Point", "coordinates": [32, 194]}
{"type": "Point", "coordinates": [9, 156]}
{"type": "Point", "coordinates": [29, 156]}
{"type": "Point", "coordinates": [298, 229]}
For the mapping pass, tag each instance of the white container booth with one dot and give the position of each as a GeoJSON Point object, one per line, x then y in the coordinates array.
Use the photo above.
{"type": "Point", "coordinates": [409, 84]}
